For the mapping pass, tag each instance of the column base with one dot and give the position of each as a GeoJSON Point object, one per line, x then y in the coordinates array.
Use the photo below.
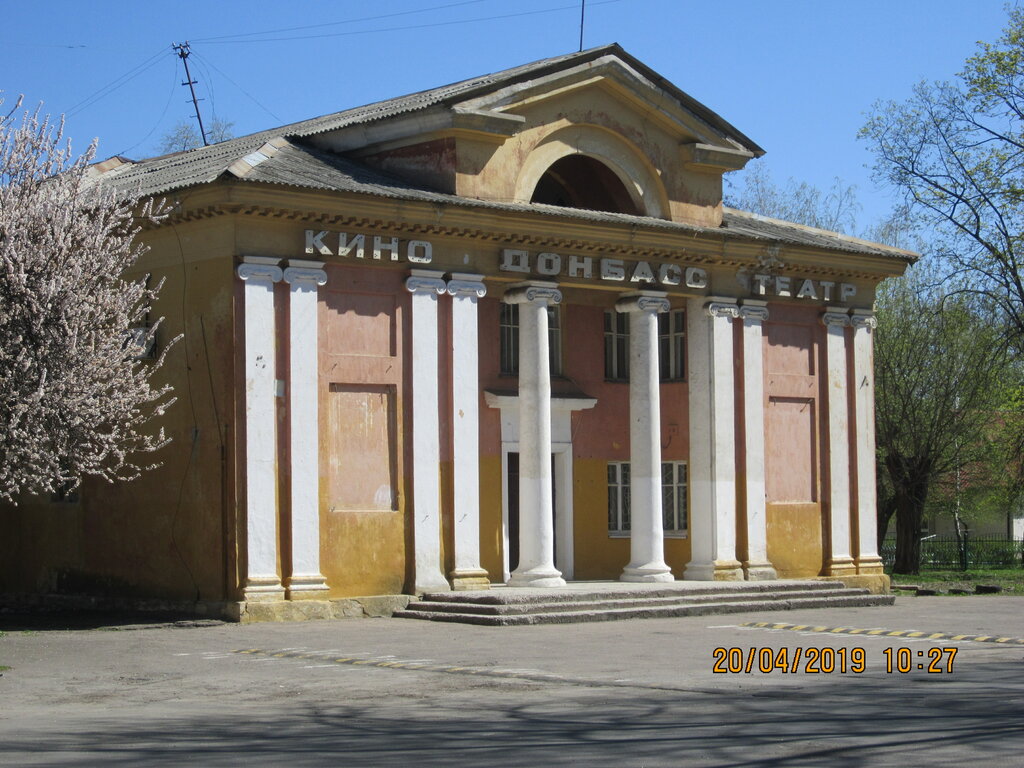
{"type": "Point", "coordinates": [647, 574]}
{"type": "Point", "coordinates": [469, 578]}
{"type": "Point", "coordinates": [720, 570]}
{"type": "Point", "coordinates": [760, 571]}
{"type": "Point", "coordinates": [841, 566]}
{"type": "Point", "coordinates": [542, 576]}
{"type": "Point", "coordinates": [263, 589]}
{"type": "Point", "coordinates": [306, 586]}
{"type": "Point", "coordinates": [433, 582]}
{"type": "Point", "coordinates": [871, 564]}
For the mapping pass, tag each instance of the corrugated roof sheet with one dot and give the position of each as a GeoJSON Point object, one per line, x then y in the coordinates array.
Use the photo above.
{"type": "Point", "coordinates": [294, 163]}
{"type": "Point", "coordinates": [160, 175]}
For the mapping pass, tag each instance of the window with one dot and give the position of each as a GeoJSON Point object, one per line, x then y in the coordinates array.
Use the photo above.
{"type": "Point", "coordinates": [508, 325]}
{"type": "Point", "coordinates": [618, 497]}
{"type": "Point", "coordinates": [616, 345]}
{"type": "Point", "coordinates": [672, 345]}
{"type": "Point", "coordinates": [674, 503]}
{"type": "Point", "coordinates": [674, 507]}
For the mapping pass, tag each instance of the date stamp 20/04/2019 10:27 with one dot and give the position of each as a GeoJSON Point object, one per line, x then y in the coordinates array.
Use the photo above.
{"type": "Point", "coordinates": [826, 660]}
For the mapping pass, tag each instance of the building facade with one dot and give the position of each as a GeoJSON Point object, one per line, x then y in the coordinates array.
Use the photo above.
{"type": "Point", "coordinates": [503, 331]}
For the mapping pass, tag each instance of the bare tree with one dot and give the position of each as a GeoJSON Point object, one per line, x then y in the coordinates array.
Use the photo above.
{"type": "Point", "coordinates": [184, 135]}
{"type": "Point", "coordinates": [76, 397]}
{"type": "Point", "coordinates": [835, 210]}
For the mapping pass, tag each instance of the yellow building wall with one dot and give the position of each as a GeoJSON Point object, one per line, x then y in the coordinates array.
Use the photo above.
{"type": "Point", "coordinates": [162, 535]}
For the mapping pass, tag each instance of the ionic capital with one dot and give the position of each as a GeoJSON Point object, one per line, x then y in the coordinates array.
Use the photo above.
{"type": "Point", "coordinates": [863, 318]}
{"type": "Point", "coordinates": [425, 281]}
{"type": "Point", "coordinates": [533, 292]}
{"type": "Point", "coordinates": [467, 286]}
{"type": "Point", "coordinates": [643, 302]}
{"type": "Point", "coordinates": [754, 310]}
{"type": "Point", "coordinates": [838, 319]}
{"type": "Point", "coordinates": [258, 268]}
{"type": "Point", "coordinates": [722, 308]}
{"type": "Point", "coordinates": [305, 274]}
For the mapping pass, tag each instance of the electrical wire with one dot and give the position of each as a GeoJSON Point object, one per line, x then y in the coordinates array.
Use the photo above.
{"type": "Point", "coordinates": [170, 97]}
{"type": "Point", "coordinates": [223, 74]}
{"type": "Point", "coordinates": [112, 86]}
{"type": "Point", "coordinates": [573, 7]}
{"type": "Point", "coordinates": [336, 23]}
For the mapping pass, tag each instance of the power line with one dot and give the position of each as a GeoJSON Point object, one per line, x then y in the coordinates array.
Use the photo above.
{"type": "Point", "coordinates": [223, 74]}
{"type": "Point", "coordinates": [414, 26]}
{"type": "Point", "coordinates": [337, 23]}
{"type": "Point", "coordinates": [112, 86]}
{"type": "Point", "coordinates": [170, 96]}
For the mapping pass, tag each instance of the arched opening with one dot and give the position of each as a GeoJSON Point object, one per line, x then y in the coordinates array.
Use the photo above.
{"type": "Point", "coordinates": [579, 181]}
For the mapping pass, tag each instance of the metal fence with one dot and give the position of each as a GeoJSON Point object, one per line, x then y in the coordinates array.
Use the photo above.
{"type": "Point", "coordinates": [971, 552]}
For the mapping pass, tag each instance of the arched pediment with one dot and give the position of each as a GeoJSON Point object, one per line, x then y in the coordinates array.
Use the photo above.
{"type": "Point", "coordinates": [632, 169]}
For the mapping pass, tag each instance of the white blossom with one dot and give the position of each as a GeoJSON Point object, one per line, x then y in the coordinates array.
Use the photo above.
{"type": "Point", "coordinates": [75, 397]}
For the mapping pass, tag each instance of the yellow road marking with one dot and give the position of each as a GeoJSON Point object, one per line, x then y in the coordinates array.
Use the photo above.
{"type": "Point", "coordinates": [907, 633]}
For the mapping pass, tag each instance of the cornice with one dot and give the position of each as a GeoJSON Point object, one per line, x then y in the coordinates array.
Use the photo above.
{"type": "Point", "coordinates": [539, 231]}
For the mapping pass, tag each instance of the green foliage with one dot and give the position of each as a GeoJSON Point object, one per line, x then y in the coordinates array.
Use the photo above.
{"type": "Point", "coordinates": [956, 150]}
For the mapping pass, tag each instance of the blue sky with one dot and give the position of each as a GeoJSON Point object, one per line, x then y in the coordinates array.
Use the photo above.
{"type": "Point", "coordinates": [795, 75]}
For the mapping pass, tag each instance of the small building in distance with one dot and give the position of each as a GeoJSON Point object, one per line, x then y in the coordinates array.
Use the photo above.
{"type": "Point", "coordinates": [501, 331]}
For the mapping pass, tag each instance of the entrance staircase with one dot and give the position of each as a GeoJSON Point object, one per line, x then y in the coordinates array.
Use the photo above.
{"type": "Point", "coordinates": [609, 601]}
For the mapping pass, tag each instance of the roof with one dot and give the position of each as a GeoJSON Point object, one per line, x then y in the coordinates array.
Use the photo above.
{"type": "Point", "coordinates": [159, 175]}
{"type": "Point", "coordinates": [284, 156]}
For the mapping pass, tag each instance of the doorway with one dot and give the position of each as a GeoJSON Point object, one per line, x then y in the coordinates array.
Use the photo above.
{"type": "Point", "coordinates": [561, 505]}
{"type": "Point", "coordinates": [512, 494]}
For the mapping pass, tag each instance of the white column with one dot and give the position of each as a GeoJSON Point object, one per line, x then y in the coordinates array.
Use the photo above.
{"type": "Point", "coordinates": [757, 566]}
{"type": "Point", "coordinates": [466, 290]}
{"type": "Point", "coordinates": [712, 441]}
{"type": "Point", "coordinates": [864, 323]}
{"type": "Point", "coordinates": [840, 560]}
{"type": "Point", "coordinates": [262, 580]}
{"type": "Point", "coordinates": [425, 286]}
{"type": "Point", "coordinates": [536, 526]}
{"type": "Point", "coordinates": [647, 536]}
{"type": "Point", "coordinates": [304, 277]}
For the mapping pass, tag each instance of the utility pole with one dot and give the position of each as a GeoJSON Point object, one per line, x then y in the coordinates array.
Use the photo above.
{"type": "Point", "coordinates": [583, 10]}
{"type": "Point", "coordinates": [183, 52]}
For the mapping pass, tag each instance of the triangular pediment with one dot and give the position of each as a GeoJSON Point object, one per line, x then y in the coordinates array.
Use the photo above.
{"type": "Point", "coordinates": [631, 84]}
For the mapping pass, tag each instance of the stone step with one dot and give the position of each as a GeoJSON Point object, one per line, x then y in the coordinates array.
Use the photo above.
{"type": "Point", "coordinates": [621, 591]}
{"type": "Point", "coordinates": [592, 604]}
{"type": "Point", "coordinates": [652, 612]}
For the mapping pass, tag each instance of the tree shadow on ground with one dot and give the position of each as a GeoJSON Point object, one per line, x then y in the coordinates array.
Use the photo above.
{"type": "Point", "coordinates": [844, 722]}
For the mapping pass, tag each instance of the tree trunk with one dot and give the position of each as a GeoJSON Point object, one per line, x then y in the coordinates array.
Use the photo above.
{"type": "Point", "coordinates": [910, 499]}
{"type": "Point", "coordinates": [886, 509]}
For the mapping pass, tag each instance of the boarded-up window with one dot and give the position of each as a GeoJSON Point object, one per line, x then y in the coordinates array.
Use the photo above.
{"type": "Point", "coordinates": [363, 461]}
{"type": "Point", "coordinates": [365, 325]}
{"type": "Point", "coordinates": [790, 350]}
{"type": "Point", "coordinates": [792, 454]}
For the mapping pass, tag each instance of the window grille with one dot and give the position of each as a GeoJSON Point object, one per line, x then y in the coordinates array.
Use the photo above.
{"type": "Point", "coordinates": [616, 345]}
{"type": "Point", "coordinates": [674, 500]}
{"type": "Point", "coordinates": [509, 340]}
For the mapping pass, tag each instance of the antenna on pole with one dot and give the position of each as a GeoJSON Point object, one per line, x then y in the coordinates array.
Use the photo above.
{"type": "Point", "coordinates": [583, 10]}
{"type": "Point", "coordinates": [183, 52]}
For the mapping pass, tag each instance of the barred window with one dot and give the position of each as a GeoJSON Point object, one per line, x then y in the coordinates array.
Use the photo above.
{"type": "Point", "coordinates": [618, 497]}
{"type": "Point", "coordinates": [508, 326]}
{"type": "Point", "coordinates": [616, 345]}
{"type": "Point", "coordinates": [672, 345]}
{"type": "Point", "coordinates": [674, 502]}
{"type": "Point", "coordinates": [674, 507]}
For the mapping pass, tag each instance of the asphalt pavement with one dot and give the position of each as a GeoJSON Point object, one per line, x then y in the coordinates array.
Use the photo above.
{"type": "Point", "coordinates": [929, 681]}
